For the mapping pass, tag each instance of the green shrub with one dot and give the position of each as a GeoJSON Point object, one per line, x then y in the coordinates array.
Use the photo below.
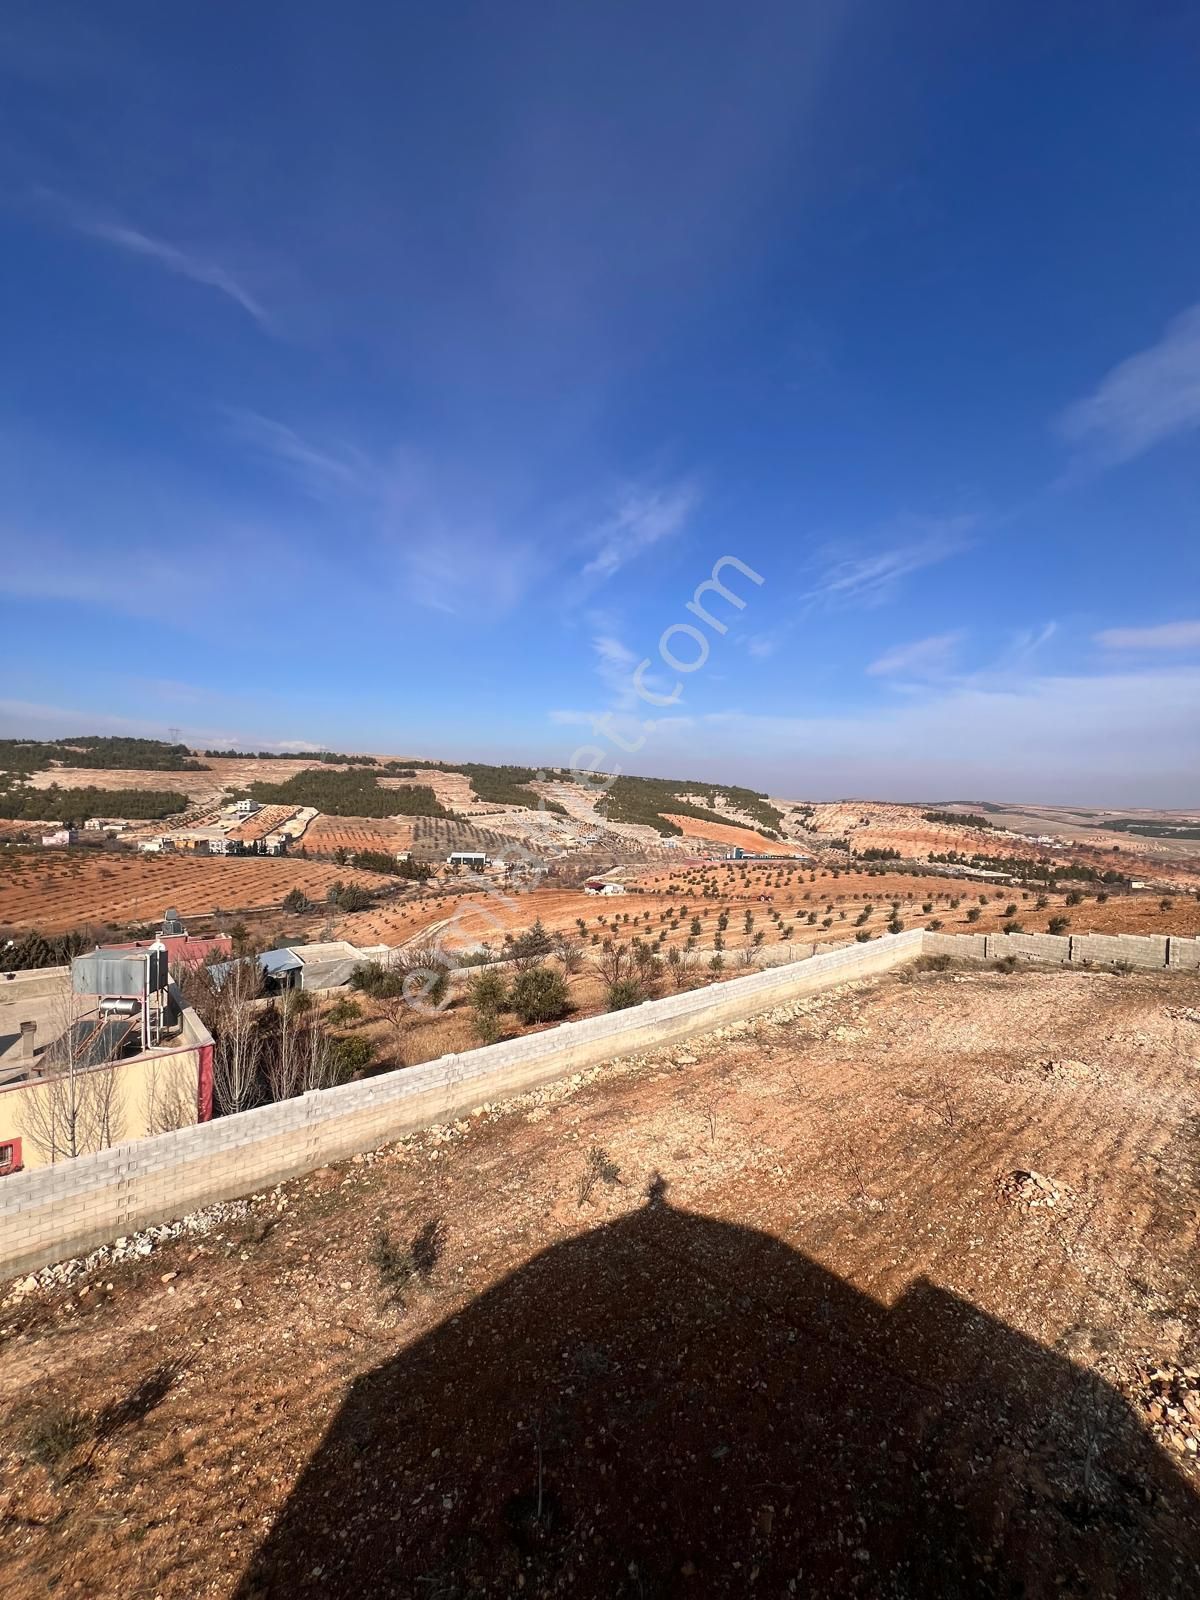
{"type": "Point", "coordinates": [486, 1025]}
{"type": "Point", "coordinates": [622, 994]}
{"type": "Point", "coordinates": [540, 995]}
{"type": "Point", "coordinates": [488, 991]}
{"type": "Point", "coordinates": [343, 1010]}
{"type": "Point", "coordinates": [351, 1057]}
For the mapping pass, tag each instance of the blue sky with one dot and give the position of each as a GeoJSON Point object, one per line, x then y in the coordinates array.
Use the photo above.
{"type": "Point", "coordinates": [390, 377]}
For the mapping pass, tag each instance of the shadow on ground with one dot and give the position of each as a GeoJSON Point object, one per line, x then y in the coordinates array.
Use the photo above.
{"type": "Point", "coordinates": [675, 1406]}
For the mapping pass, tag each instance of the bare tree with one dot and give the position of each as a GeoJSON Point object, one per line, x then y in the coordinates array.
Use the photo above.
{"type": "Point", "coordinates": [424, 971]}
{"type": "Point", "coordinates": [225, 999]}
{"type": "Point", "coordinates": [169, 1101]}
{"type": "Point", "coordinates": [317, 1066]}
{"type": "Point", "coordinates": [615, 962]}
{"type": "Point", "coordinates": [283, 1029]}
{"type": "Point", "coordinates": [393, 1004]}
{"type": "Point", "coordinates": [76, 1109]}
{"type": "Point", "coordinates": [298, 1052]}
{"type": "Point", "coordinates": [569, 951]}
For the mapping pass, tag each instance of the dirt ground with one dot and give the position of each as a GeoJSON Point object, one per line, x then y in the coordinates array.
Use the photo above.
{"type": "Point", "coordinates": [730, 835]}
{"type": "Point", "coordinates": [263, 822]}
{"type": "Point", "coordinates": [53, 891]}
{"type": "Point", "coordinates": [781, 1312]}
{"type": "Point", "coordinates": [802, 899]}
{"type": "Point", "coordinates": [884, 825]}
{"type": "Point", "coordinates": [326, 834]}
{"type": "Point", "coordinates": [221, 773]}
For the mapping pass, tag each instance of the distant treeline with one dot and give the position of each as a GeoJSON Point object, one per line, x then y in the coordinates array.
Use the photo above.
{"type": "Point", "coordinates": [381, 861]}
{"type": "Point", "coordinates": [75, 806]}
{"type": "Point", "coordinates": [958, 819]}
{"type": "Point", "coordinates": [1152, 830]}
{"type": "Point", "coordinates": [651, 801]}
{"type": "Point", "coordinates": [348, 794]}
{"type": "Point", "coordinates": [20, 757]}
{"type": "Point", "coordinates": [249, 755]}
{"type": "Point", "coordinates": [28, 950]}
{"type": "Point", "coordinates": [1047, 872]}
{"type": "Point", "coordinates": [877, 853]}
{"type": "Point", "coordinates": [497, 786]}
{"type": "Point", "coordinates": [329, 758]}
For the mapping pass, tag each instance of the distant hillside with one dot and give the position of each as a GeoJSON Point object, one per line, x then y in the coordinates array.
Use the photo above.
{"type": "Point", "coordinates": [20, 757]}
{"type": "Point", "coordinates": [653, 801]}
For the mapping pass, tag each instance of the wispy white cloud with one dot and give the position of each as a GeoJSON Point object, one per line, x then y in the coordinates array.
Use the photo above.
{"type": "Point", "coordinates": [321, 469]}
{"type": "Point", "coordinates": [1166, 636]}
{"type": "Point", "coordinates": [615, 666]}
{"type": "Point", "coordinates": [184, 263]}
{"type": "Point", "coordinates": [873, 578]}
{"type": "Point", "coordinates": [422, 528]}
{"type": "Point", "coordinates": [1022, 650]}
{"type": "Point", "coordinates": [923, 658]}
{"type": "Point", "coordinates": [643, 517]}
{"type": "Point", "coordinates": [1145, 399]}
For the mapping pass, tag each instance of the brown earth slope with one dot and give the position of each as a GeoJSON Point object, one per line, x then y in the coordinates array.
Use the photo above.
{"type": "Point", "coordinates": [864, 1298]}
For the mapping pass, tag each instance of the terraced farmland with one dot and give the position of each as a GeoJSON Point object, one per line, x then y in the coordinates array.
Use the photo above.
{"type": "Point", "coordinates": [53, 892]}
{"type": "Point", "coordinates": [326, 834]}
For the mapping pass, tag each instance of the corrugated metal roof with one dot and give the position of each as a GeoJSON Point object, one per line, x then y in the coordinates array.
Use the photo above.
{"type": "Point", "coordinates": [273, 961]}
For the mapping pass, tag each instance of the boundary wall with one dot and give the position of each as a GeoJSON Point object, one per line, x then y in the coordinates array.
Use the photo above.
{"type": "Point", "coordinates": [67, 1209]}
{"type": "Point", "coordinates": [1149, 951]}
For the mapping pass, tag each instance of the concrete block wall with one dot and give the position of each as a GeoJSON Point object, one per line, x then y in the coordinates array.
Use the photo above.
{"type": "Point", "coordinates": [64, 1210]}
{"type": "Point", "coordinates": [1027, 946]}
{"type": "Point", "coordinates": [1139, 950]}
{"type": "Point", "coordinates": [54, 1212]}
{"type": "Point", "coordinates": [1152, 951]}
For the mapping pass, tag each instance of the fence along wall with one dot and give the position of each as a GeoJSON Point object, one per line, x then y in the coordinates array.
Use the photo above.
{"type": "Point", "coordinates": [1150, 950]}
{"type": "Point", "coordinates": [62, 1210]}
